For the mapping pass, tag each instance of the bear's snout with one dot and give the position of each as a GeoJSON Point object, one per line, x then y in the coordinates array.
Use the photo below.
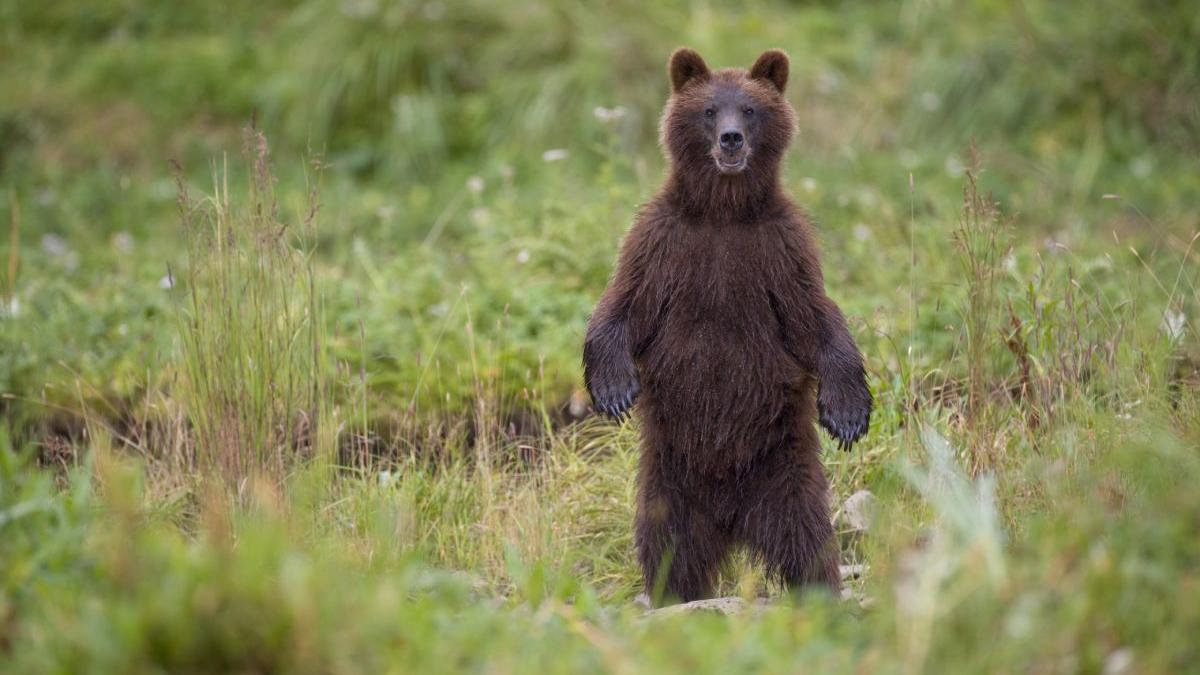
{"type": "Point", "coordinates": [731, 152]}
{"type": "Point", "coordinates": [732, 140]}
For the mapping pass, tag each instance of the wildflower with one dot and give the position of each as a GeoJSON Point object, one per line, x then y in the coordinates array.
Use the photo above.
{"type": "Point", "coordinates": [954, 166]}
{"type": "Point", "coordinates": [55, 245]}
{"type": "Point", "coordinates": [123, 242]}
{"type": "Point", "coordinates": [608, 114]}
{"type": "Point", "coordinates": [1174, 322]}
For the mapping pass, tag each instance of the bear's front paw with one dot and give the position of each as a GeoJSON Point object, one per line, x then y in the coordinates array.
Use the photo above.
{"type": "Point", "coordinates": [614, 397]}
{"type": "Point", "coordinates": [844, 410]}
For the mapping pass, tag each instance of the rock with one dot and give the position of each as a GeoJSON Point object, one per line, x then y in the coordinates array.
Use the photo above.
{"type": "Point", "coordinates": [725, 606]}
{"type": "Point", "coordinates": [735, 605]}
{"type": "Point", "coordinates": [856, 511]}
{"type": "Point", "coordinates": [578, 405]}
{"type": "Point", "coordinates": [642, 600]}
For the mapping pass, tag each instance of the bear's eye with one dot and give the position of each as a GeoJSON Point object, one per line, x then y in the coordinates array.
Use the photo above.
{"type": "Point", "coordinates": [709, 112]}
{"type": "Point", "coordinates": [748, 111]}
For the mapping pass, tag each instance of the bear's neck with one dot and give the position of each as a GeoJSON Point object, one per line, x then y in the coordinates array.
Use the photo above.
{"type": "Point", "coordinates": [707, 195]}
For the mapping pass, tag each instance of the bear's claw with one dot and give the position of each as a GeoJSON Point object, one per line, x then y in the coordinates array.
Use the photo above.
{"type": "Point", "coordinates": [615, 400]}
{"type": "Point", "coordinates": [846, 416]}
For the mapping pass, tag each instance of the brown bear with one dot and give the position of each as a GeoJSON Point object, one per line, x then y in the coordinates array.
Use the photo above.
{"type": "Point", "coordinates": [717, 316]}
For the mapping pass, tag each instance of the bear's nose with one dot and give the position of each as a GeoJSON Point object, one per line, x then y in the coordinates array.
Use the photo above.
{"type": "Point", "coordinates": [731, 140]}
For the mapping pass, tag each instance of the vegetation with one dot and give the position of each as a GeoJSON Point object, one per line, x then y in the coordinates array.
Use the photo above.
{"type": "Point", "coordinates": [315, 406]}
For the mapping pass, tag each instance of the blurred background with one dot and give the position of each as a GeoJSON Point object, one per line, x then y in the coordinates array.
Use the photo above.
{"type": "Point", "coordinates": [481, 161]}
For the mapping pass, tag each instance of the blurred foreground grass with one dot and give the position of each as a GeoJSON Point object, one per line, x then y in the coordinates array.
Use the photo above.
{"type": "Point", "coordinates": [330, 423]}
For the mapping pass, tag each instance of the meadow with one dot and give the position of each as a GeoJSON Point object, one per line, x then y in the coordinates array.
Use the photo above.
{"type": "Point", "coordinates": [292, 300]}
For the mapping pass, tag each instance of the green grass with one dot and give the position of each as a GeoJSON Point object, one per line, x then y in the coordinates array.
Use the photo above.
{"type": "Point", "coordinates": [328, 419]}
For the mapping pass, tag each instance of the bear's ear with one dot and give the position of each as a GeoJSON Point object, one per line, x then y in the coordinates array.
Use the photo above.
{"type": "Point", "coordinates": [686, 65]}
{"type": "Point", "coordinates": [772, 66]}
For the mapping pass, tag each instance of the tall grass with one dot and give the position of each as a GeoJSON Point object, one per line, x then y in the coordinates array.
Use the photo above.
{"type": "Point", "coordinates": [982, 246]}
{"type": "Point", "coordinates": [250, 329]}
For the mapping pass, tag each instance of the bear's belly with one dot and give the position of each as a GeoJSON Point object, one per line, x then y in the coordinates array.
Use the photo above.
{"type": "Point", "coordinates": [721, 391]}
{"type": "Point", "coordinates": [719, 370]}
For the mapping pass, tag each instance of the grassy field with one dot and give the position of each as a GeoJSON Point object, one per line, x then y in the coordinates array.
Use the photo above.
{"type": "Point", "coordinates": [292, 298]}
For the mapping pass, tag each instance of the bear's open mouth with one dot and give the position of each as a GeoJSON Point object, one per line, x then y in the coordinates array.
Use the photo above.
{"type": "Point", "coordinates": [731, 166]}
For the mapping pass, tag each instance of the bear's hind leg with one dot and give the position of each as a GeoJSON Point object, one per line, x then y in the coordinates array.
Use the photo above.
{"type": "Point", "coordinates": [785, 521]}
{"type": "Point", "coordinates": [679, 554]}
{"type": "Point", "coordinates": [679, 546]}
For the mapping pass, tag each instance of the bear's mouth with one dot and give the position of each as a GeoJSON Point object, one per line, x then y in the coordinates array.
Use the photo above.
{"type": "Point", "coordinates": [731, 165]}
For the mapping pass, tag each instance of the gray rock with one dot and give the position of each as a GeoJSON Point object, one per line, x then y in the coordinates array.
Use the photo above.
{"type": "Point", "coordinates": [734, 605]}
{"type": "Point", "coordinates": [725, 606]}
{"type": "Point", "coordinates": [856, 511]}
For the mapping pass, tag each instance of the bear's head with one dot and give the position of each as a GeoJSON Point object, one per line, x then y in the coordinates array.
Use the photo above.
{"type": "Point", "coordinates": [732, 123]}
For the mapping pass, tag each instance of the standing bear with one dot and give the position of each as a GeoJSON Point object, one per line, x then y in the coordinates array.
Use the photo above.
{"type": "Point", "coordinates": [717, 324]}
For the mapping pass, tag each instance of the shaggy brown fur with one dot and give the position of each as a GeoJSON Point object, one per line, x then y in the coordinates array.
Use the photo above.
{"type": "Point", "coordinates": [717, 316]}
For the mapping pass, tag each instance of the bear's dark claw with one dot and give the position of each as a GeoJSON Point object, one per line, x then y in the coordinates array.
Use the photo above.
{"type": "Point", "coordinates": [616, 400]}
{"type": "Point", "coordinates": [845, 413]}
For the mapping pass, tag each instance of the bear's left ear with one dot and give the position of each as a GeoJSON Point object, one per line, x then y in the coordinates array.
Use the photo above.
{"type": "Point", "coordinates": [772, 66]}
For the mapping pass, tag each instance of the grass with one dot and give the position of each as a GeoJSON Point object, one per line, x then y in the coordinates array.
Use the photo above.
{"type": "Point", "coordinates": [250, 425]}
{"type": "Point", "coordinates": [252, 375]}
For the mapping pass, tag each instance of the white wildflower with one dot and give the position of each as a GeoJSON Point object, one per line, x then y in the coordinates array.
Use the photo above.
{"type": "Point", "coordinates": [608, 114]}
{"type": "Point", "coordinates": [1119, 662]}
{"type": "Point", "coordinates": [954, 166]}
{"type": "Point", "coordinates": [55, 245]}
{"type": "Point", "coordinates": [555, 155]}
{"type": "Point", "coordinates": [1174, 323]}
{"type": "Point", "coordinates": [123, 242]}
{"type": "Point", "coordinates": [359, 9]}
{"type": "Point", "coordinates": [1142, 167]}
{"type": "Point", "coordinates": [827, 81]}
{"type": "Point", "coordinates": [434, 10]}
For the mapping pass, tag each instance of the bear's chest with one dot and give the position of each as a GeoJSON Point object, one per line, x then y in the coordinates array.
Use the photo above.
{"type": "Point", "coordinates": [720, 273]}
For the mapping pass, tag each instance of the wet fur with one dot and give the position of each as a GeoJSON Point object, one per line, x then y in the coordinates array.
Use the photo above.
{"type": "Point", "coordinates": [716, 323]}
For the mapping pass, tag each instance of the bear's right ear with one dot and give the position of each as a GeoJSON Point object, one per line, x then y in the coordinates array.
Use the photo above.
{"type": "Point", "coordinates": [686, 65]}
